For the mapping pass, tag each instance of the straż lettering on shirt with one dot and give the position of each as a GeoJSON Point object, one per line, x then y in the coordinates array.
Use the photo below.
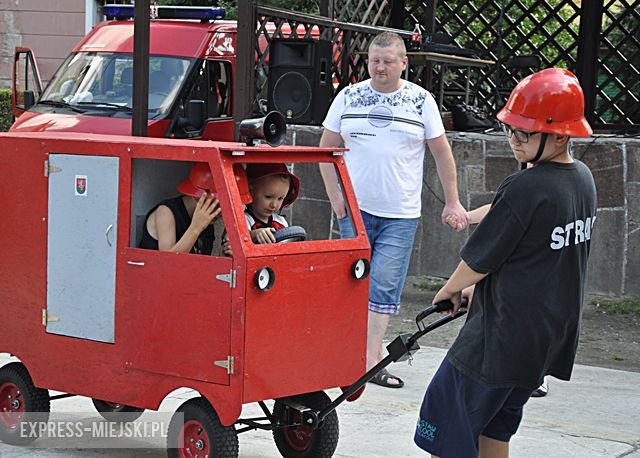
{"type": "Point", "coordinates": [562, 236]}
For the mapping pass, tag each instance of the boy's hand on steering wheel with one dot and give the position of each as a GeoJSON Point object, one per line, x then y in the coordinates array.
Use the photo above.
{"type": "Point", "coordinates": [263, 235]}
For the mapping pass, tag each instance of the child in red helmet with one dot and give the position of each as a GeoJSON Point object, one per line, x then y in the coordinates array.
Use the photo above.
{"type": "Point", "coordinates": [527, 259]}
{"type": "Point", "coordinates": [183, 224]}
{"type": "Point", "coordinates": [272, 188]}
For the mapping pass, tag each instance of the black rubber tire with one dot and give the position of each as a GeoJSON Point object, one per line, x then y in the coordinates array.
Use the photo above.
{"type": "Point", "coordinates": [290, 234]}
{"type": "Point", "coordinates": [116, 412]}
{"type": "Point", "coordinates": [222, 441]}
{"type": "Point", "coordinates": [34, 402]}
{"type": "Point", "coordinates": [322, 442]}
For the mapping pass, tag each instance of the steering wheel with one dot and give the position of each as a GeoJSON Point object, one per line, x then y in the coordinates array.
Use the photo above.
{"type": "Point", "coordinates": [290, 234]}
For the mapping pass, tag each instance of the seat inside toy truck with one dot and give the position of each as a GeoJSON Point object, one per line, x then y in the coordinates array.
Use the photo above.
{"type": "Point", "coordinates": [155, 180]}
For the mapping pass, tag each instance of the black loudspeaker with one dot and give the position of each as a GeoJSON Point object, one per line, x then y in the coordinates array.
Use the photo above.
{"type": "Point", "coordinates": [300, 79]}
{"type": "Point", "coordinates": [272, 128]}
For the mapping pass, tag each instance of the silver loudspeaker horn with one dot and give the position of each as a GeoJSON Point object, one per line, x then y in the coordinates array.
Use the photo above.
{"type": "Point", "coordinates": [272, 128]}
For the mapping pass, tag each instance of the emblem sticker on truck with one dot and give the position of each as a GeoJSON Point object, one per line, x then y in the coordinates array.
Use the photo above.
{"type": "Point", "coordinates": [81, 185]}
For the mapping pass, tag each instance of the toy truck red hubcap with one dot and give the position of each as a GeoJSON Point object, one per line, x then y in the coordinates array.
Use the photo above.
{"type": "Point", "coordinates": [299, 437]}
{"type": "Point", "coordinates": [11, 407]}
{"type": "Point", "coordinates": [196, 440]}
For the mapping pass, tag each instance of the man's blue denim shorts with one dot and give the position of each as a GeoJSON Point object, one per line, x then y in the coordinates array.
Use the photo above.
{"type": "Point", "coordinates": [457, 410]}
{"type": "Point", "coordinates": [391, 242]}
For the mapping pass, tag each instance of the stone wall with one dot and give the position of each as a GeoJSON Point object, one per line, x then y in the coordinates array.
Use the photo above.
{"type": "Point", "coordinates": [483, 161]}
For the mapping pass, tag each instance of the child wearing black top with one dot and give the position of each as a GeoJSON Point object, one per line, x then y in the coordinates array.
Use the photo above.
{"type": "Point", "coordinates": [527, 259]}
{"type": "Point", "coordinates": [183, 224]}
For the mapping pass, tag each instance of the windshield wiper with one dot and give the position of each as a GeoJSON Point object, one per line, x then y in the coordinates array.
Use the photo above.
{"type": "Point", "coordinates": [60, 104]}
{"type": "Point", "coordinates": [106, 105]}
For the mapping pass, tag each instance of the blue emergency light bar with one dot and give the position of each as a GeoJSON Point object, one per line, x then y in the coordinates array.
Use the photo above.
{"type": "Point", "coordinates": [203, 13]}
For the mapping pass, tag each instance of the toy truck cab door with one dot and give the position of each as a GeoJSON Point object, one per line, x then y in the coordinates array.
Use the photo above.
{"type": "Point", "coordinates": [175, 308]}
{"type": "Point", "coordinates": [178, 315]}
{"type": "Point", "coordinates": [27, 85]}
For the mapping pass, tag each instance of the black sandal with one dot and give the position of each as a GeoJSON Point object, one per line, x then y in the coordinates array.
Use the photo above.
{"type": "Point", "coordinates": [382, 379]}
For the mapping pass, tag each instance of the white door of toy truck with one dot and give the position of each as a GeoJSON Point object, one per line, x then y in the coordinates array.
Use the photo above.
{"type": "Point", "coordinates": [81, 246]}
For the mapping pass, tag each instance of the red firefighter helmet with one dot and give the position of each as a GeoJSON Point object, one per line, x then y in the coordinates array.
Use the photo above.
{"type": "Point", "coordinates": [550, 101]}
{"type": "Point", "coordinates": [257, 171]}
{"type": "Point", "coordinates": [198, 182]}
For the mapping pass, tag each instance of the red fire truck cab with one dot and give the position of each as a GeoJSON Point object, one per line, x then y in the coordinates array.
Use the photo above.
{"type": "Point", "coordinates": [192, 55]}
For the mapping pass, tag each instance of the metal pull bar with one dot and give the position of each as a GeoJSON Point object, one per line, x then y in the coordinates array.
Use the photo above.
{"type": "Point", "coordinates": [135, 263]}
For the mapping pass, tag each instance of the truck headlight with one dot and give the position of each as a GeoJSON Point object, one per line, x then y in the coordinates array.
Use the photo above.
{"type": "Point", "coordinates": [360, 269]}
{"type": "Point", "coordinates": [264, 279]}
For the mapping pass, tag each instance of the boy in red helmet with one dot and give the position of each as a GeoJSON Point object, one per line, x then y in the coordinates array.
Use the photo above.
{"type": "Point", "coordinates": [272, 188]}
{"type": "Point", "coordinates": [528, 259]}
{"type": "Point", "coordinates": [183, 224]}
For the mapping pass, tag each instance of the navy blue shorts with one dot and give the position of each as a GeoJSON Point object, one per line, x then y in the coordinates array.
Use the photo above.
{"type": "Point", "coordinates": [457, 410]}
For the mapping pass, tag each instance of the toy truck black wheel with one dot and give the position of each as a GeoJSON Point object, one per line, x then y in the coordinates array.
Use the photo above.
{"type": "Point", "coordinates": [21, 404]}
{"type": "Point", "coordinates": [303, 441]}
{"type": "Point", "coordinates": [290, 234]}
{"type": "Point", "coordinates": [113, 411]}
{"type": "Point", "coordinates": [201, 432]}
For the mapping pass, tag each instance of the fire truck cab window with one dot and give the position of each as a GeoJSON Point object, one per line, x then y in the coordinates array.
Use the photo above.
{"type": "Point", "coordinates": [212, 85]}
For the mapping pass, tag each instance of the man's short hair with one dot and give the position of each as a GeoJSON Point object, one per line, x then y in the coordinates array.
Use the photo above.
{"type": "Point", "coordinates": [387, 39]}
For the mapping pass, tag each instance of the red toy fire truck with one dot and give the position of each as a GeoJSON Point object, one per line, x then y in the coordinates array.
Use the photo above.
{"type": "Point", "coordinates": [88, 313]}
{"type": "Point", "coordinates": [101, 318]}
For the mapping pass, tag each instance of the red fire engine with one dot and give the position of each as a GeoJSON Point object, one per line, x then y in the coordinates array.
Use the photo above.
{"type": "Point", "coordinates": [192, 65]}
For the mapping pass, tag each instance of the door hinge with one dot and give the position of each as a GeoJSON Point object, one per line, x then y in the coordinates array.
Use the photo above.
{"type": "Point", "coordinates": [229, 278]}
{"type": "Point", "coordinates": [46, 318]}
{"type": "Point", "coordinates": [48, 168]}
{"type": "Point", "coordinates": [226, 363]}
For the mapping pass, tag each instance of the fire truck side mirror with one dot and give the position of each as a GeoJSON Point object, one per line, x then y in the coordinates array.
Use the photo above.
{"type": "Point", "coordinates": [272, 128]}
{"type": "Point", "coordinates": [195, 115]}
{"type": "Point", "coordinates": [29, 99]}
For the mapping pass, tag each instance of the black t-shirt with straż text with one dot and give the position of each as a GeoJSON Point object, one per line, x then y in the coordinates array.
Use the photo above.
{"type": "Point", "coordinates": [534, 243]}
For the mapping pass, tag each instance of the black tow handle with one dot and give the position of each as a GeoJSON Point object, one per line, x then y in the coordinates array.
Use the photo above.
{"type": "Point", "coordinates": [441, 306]}
{"type": "Point", "coordinates": [400, 349]}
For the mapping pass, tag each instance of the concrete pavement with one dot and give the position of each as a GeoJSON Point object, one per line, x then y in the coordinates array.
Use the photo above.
{"type": "Point", "coordinates": [595, 415]}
